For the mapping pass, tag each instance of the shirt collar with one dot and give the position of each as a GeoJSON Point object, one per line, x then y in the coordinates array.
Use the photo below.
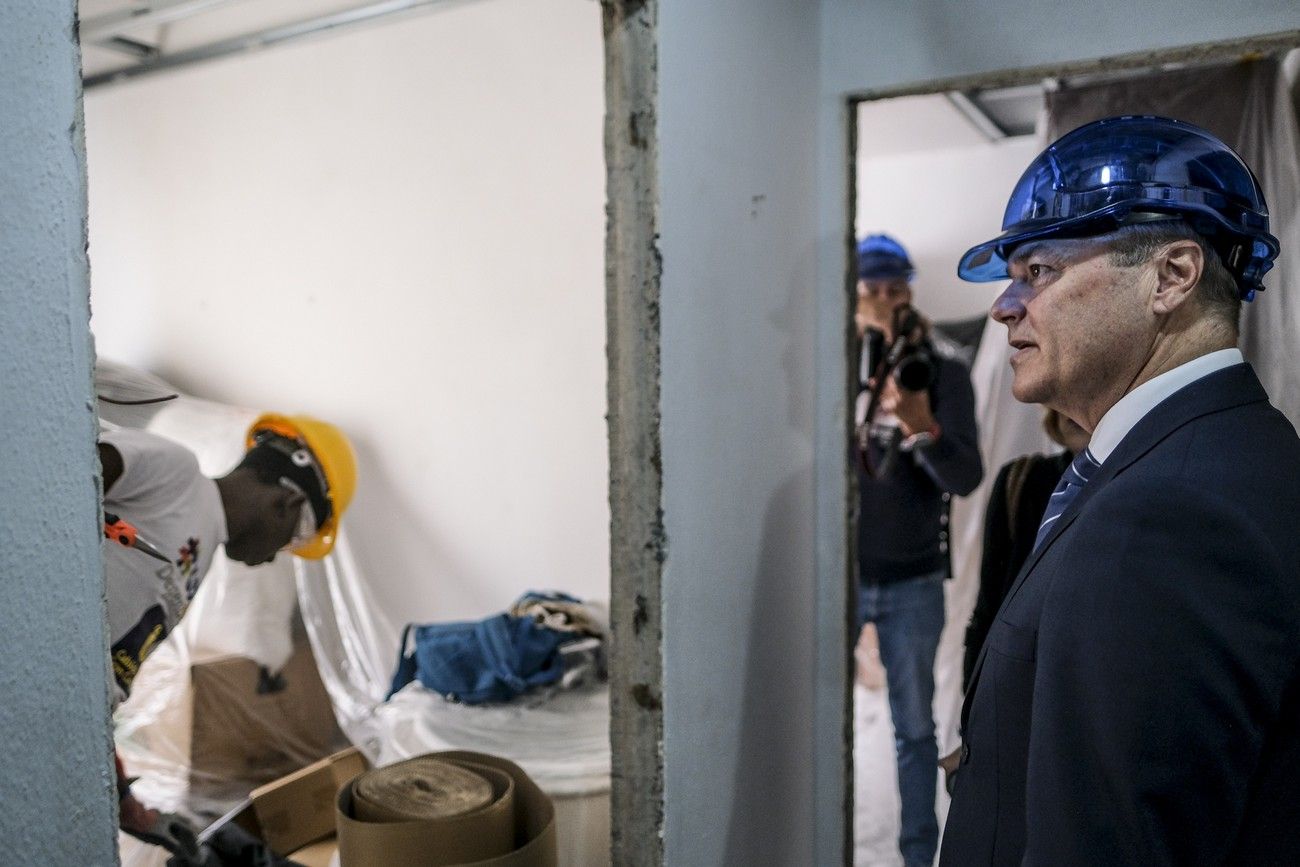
{"type": "Point", "coordinates": [1130, 409]}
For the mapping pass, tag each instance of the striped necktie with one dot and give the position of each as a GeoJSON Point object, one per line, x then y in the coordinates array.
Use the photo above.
{"type": "Point", "coordinates": [1076, 475]}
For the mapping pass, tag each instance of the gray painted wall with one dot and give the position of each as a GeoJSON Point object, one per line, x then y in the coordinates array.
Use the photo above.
{"type": "Point", "coordinates": [56, 788]}
{"type": "Point", "coordinates": [737, 124]}
{"type": "Point", "coordinates": [874, 44]}
{"type": "Point", "coordinates": [879, 45]}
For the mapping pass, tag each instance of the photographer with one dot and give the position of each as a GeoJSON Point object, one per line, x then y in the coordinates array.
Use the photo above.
{"type": "Point", "coordinates": [918, 446]}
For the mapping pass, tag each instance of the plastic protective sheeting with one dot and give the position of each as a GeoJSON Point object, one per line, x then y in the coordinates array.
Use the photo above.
{"type": "Point", "coordinates": [560, 737]}
{"type": "Point", "coordinates": [354, 643]}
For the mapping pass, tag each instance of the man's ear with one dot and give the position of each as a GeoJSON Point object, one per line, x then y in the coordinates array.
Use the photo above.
{"type": "Point", "coordinates": [1178, 270]}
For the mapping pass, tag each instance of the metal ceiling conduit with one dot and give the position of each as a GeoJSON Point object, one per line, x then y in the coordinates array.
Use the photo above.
{"type": "Point", "coordinates": [102, 28]}
{"type": "Point", "coordinates": [235, 44]}
{"type": "Point", "coordinates": [975, 114]}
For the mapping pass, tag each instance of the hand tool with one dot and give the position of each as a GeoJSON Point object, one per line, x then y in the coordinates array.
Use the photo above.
{"type": "Point", "coordinates": [124, 533]}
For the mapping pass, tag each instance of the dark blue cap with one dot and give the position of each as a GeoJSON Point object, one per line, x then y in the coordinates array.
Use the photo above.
{"type": "Point", "coordinates": [880, 257]}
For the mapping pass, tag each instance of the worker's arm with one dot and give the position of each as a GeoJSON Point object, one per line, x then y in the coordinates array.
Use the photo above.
{"type": "Point", "coordinates": [111, 461]}
{"type": "Point", "coordinates": [174, 833]}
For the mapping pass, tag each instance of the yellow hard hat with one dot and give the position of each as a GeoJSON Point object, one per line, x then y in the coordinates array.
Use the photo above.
{"type": "Point", "coordinates": [337, 463]}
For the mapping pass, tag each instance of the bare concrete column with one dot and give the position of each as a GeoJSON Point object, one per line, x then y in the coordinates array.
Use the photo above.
{"type": "Point", "coordinates": [637, 541]}
{"type": "Point", "coordinates": [57, 785]}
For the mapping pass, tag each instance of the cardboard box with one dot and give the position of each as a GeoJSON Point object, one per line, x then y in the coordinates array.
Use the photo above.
{"type": "Point", "coordinates": [252, 726]}
{"type": "Point", "coordinates": [298, 810]}
{"type": "Point", "coordinates": [296, 816]}
{"type": "Point", "coordinates": [319, 854]}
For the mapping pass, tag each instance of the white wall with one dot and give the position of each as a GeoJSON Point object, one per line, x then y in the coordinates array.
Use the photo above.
{"type": "Point", "coordinates": [736, 141]}
{"type": "Point", "coordinates": [56, 788]}
{"type": "Point", "coordinates": [399, 229]}
{"type": "Point", "coordinates": [939, 203]}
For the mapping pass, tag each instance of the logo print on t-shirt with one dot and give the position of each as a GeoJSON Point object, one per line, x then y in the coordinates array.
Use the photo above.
{"type": "Point", "coordinates": [129, 653]}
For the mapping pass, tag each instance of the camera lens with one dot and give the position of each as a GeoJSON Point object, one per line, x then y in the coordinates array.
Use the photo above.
{"type": "Point", "coordinates": [915, 372]}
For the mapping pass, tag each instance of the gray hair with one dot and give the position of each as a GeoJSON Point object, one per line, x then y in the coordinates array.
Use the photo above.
{"type": "Point", "coordinates": [1217, 291]}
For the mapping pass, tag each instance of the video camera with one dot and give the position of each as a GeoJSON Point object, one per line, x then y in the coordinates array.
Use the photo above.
{"type": "Point", "coordinates": [908, 358]}
{"type": "Point", "coordinates": [909, 361]}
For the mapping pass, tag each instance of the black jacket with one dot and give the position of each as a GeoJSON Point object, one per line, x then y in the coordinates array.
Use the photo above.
{"type": "Point", "coordinates": [903, 515]}
{"type": "Point", "coordinates": [1137, 701]}
{"type": "Point", "coordinates": [1010, 526]}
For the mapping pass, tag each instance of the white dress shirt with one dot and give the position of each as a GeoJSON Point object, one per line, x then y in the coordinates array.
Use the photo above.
{"type": "Point", "coordinates": [1130, 409]}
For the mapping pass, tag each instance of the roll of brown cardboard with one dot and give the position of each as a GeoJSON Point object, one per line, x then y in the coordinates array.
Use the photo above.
{"type": "Point", "coordinates": [431, 811]}
{"type": "Point", "coordinates": [424, 787]}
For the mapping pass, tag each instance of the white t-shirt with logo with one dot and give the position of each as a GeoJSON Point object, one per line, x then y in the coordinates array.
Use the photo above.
{"type": "Point", "coordinates": [177, 509]}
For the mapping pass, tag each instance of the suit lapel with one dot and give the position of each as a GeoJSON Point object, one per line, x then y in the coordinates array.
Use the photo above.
{"type": "Point", "coordinates": [1224, 389]}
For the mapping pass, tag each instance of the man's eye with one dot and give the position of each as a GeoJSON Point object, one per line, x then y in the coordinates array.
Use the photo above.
{"type": "Point", "coordinates": [1036, 271]}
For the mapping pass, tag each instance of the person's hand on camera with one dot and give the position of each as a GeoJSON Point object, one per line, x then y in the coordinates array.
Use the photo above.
{"type": "Point", "coordinates": [911, 408]}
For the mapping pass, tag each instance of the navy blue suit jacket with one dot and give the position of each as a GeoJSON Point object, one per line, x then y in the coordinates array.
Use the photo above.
{"type": "Point", "coordinates": [1137, 701]}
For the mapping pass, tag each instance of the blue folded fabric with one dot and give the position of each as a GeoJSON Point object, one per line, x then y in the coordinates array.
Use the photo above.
{"type": "Point", "coordinates": [532, 596]}
{"type": "Point", "coordinates": [490, 660]}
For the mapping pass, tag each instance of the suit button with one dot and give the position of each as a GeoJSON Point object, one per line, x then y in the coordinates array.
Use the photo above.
{"type": "Point", "coordinates": [965, 753]}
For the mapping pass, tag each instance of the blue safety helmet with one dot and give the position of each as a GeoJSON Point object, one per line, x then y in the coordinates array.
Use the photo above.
{"type": "Point", "coordinates": [1125, 170]}
{"type": "Point", "coordinates": [880, 257]}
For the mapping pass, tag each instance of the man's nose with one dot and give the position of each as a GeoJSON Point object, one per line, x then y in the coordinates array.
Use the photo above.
{"type": "Point", "coordinates": [1009, 306]}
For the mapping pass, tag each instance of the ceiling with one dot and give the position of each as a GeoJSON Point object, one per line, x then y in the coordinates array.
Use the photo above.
{"type": "Point", "coordinates": [938, 121]}
{"type": "Point", "coordinates": [957, 119]}
{"type": "Point", "coordinates": [124, 38]}
{"type": "Point", "coordinates": [121, 38]}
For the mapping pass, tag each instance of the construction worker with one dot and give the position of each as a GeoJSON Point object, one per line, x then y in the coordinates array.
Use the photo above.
{"type": "Point", "coordinates": [288, 493]}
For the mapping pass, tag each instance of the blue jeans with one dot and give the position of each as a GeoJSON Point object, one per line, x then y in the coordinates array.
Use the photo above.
{"type": "Point", "coordinates": [909, 617]}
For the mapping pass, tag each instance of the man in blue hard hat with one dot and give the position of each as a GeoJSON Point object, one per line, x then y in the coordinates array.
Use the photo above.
{"type": "Point", "coordinates": [1137, 700]}
{"type": "Point", "coordinates": [918, 447]}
